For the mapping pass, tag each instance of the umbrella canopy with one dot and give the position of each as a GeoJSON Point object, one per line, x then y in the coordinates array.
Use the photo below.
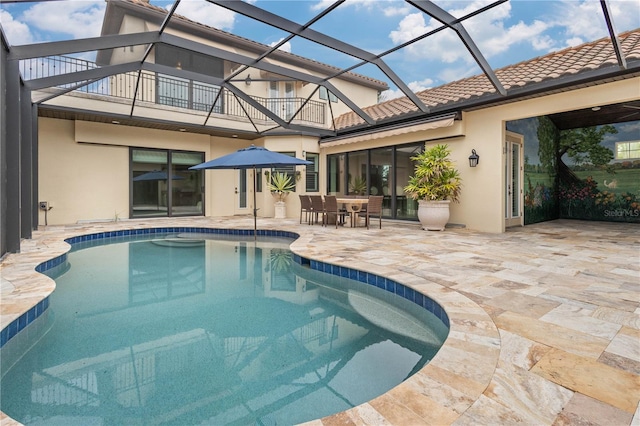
{"type": "Point", "coordinates": [155, 175]}
{"type": "Point", "coordinates": [252, 157]}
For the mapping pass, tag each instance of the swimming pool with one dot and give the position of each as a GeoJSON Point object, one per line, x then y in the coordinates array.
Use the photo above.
{"type": "Point", "coordinates": [97, 372]}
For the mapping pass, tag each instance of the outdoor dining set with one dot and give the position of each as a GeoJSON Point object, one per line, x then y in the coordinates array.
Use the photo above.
{"type": "Point", "coordinates": [332, 209]}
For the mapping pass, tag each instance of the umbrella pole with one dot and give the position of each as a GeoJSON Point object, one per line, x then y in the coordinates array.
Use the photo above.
{"type": "Point", "coordinates": [255, 209]}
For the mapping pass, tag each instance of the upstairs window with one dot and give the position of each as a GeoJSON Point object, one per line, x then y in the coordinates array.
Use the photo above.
{"type": "Point", "coordinates": [325, 94]}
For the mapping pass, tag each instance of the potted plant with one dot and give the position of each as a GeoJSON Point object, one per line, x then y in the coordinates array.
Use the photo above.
{"type": "Point", "coordinates": [359, 185]}
{"type": "Point", "coordinates": [434, 185]}
{"type": "Point", "coordinates": [280, 184]}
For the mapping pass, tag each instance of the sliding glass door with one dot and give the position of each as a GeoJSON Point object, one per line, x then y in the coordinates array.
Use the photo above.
{"type": "Point", "coordinates": [162, 184]}
{"type": "Point", "coordinates": [406, 207]}
{"type": "Point", "coordinates": [381, 171]}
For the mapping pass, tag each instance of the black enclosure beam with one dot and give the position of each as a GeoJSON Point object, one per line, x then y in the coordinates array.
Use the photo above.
{"type": "Point", "coordinates": [288, 38]}
{"type": "Point", "coordinates": [614, 36]}
{"type": "Point", "coordinates": [12, 157]}
{"type": "Point", "coordinates": [275, 69]}
{"type": "Point", "coordinates": [4, 52]}
{"type": "Point", "coordinates": [216, 81]}
{"type": "Point", "coordinates": [74, 46]}
{"type": "Point", "coordinates": [291, 27]}
{"type": "Point", "coordinates": [34, 166]}
{"type": "Point", "coordinates": [449, 20]}
{"type": "Point", "coordinates": [53, 48]}
{"type": "Point", "coordinates": [26, 164]}
{"type": "Point", "coordinates": [282, 123]}
{"type": "Point", "coordinates": [81, 76]}
{"type": "Point", "coordinates": [148, 51]}
{"type": "Point", "coordinates": [66, 90]}
{"type": "Point", "coordinates": [168, 17]}
{"type": "Point", "coordinates": [421, 37]}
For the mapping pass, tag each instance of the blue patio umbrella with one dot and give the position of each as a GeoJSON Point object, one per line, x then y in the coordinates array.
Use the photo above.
{"type": "Point", "coordinates": [252, 157]}
{"type": "Point", "coordinates": [155, 175]}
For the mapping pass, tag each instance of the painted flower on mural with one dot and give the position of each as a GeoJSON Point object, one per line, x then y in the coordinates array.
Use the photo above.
{"type": "Point", "coordinates": [579, 191]}
{"type": "Point", "coordinates": [582, 200]}
{"type": "Point", "coordinates": [538, 195]}
{"type": "Point", "coordinates": [605, 198]}
{"type": "Point", "coordinates": [540, 201]}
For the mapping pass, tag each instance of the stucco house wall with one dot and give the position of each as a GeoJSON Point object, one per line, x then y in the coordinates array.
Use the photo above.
{"type": "Point", "coordinates": [482, 201]}
{"type": "Point", "coordinates": [84, 167]}
{"type": "Point", "coordinates": [80, 181]}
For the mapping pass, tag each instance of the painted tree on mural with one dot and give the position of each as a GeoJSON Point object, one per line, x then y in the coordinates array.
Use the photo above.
{"type": "Point", "coordinates": [582, 145]}
{"type": "Point", "coordinates": [548, 134]}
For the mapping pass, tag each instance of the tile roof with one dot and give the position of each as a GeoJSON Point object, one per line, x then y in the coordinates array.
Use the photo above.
{"type": "Point", "coordinates": [570, 61]}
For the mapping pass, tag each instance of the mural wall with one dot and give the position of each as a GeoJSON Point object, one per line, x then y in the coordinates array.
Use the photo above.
{"type": "Point", "coordinates": [590, 173]}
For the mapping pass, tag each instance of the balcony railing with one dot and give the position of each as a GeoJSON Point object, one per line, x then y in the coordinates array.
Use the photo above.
{"type": "Point", "coordinates": [172, 91]}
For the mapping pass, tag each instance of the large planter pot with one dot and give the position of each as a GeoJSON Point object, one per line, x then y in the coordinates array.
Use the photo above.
{"type": "Point", "coordinates": [433, 215]}
{"type": "Point", "coordinates": [281, 210]}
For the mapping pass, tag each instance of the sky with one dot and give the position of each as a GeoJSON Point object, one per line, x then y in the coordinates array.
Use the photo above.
{"type": "Point", "coordinates": [507, 34]}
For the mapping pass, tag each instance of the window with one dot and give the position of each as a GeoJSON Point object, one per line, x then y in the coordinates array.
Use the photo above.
{"type": "Point", "coordinates": [288, 170]}
{"type": "Point", "coordinates": [325, 94]}
{"type": "Point", "coordinates": [627, 150]}
{"type": "Point", "coordinates": [259, 180]}
{"type": "Point", "coordinates": [312, 173]}
{"type": "Point", "coordinates": [188, 60]}
{"type": "Point", "coordinates": [182, 92]}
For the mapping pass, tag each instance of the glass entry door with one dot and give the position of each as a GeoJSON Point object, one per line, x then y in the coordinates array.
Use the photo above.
{"type": "Point", "coordinates": [514, 171]}
{"type": "Point", "coordinates": [242, 191]}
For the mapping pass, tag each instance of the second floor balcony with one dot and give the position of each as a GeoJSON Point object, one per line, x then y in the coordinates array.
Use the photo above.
{"type": "Point", "coordinates": [169, 91]}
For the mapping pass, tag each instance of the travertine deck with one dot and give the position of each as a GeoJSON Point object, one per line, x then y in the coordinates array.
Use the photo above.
{"type": "Point", "coordinates": [545, 320]}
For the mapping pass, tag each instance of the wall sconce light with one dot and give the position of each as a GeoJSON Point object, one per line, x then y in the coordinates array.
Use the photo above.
{"type": "Point", "coordinates": [298, 175]}
{"type": "Point", "coordinates": [179, 66]}
{"type": "Point", "coordinates": [247, 80]}
{"type": "Point", "coordinates": [474, 158]}
{"type": "Point", "coordinates": [304, 154]}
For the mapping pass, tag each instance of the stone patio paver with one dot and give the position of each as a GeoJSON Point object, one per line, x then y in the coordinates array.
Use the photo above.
{"type": "Point", "coordinates": [545, 319]}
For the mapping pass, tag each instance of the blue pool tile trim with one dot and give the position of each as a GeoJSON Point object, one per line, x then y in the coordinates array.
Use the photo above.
{"type": "Point", "coordinates": [342, 271]}
{"type": "Point", "coordinates": [28, 317]}
{"type": "Point", "coordinates": [169, 230]}
{"type": "Point", "coordinates": [23, 321]}
{"type": "Point", "coordinates": [381, 282]}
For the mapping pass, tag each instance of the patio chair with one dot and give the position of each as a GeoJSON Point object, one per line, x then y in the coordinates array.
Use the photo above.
{"type": "Point", "coordinates": [305, 207]}
{"type": "Point", "coordinates": [331, 208]}
{"type": "Point", "coordinates": [317, 207]}
{"type": "Point", "coordinates": [374, 208]}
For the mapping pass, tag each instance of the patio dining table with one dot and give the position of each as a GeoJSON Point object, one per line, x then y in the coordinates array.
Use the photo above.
{"type": "Point", "coordinates": [353, 206]}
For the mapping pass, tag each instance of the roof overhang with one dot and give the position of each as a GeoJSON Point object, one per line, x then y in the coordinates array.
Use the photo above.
{"type": "Point", "coordinates": [389, 131]}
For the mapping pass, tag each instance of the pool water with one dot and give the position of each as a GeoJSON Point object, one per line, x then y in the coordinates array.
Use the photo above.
{"type": "Point", "coordinates": [216, 330]}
